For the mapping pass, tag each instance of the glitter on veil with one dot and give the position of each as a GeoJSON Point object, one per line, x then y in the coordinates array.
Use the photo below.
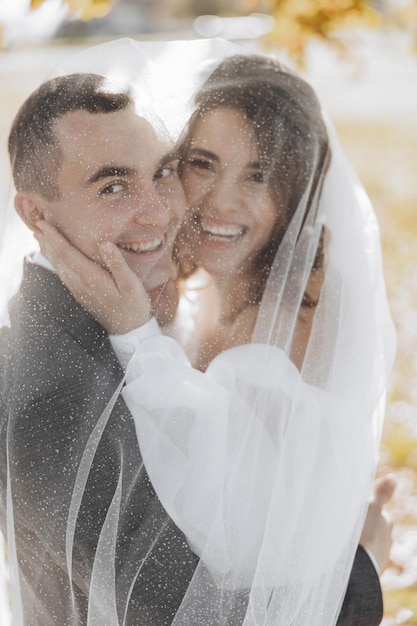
{"type": "Point", "coordinates": [262, 472]}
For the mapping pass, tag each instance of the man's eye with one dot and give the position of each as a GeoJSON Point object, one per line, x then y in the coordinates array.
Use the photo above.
{"type": "Point", "coordinates": [165, 171]}
{"type": "Point", "coordinates": [112, 188]}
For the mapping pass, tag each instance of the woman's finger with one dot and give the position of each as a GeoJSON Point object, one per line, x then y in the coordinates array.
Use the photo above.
{"type": "Point", "coordinates": [383, 489]}
{"type": "Point", "coordinates": [124, 277]}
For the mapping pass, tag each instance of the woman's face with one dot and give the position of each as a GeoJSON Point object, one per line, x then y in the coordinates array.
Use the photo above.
{"type": "Point", "coordinates": [231, 212]}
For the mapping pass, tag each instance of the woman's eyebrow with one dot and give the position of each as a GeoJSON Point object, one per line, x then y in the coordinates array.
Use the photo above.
{"type": "Point", "coordinates": [110, 171]}
{"type": "Point", "coordinates": [170, 156]}
{"type": "Point", "coordinates": [204, 153]}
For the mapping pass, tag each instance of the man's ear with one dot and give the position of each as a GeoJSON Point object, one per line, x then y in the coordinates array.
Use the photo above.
{"type": "Point", "coordinates": [29, 208]}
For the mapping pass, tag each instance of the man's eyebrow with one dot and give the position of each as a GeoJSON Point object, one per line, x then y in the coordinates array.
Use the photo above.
{"type": "Point", "coordinates": [110, 171]}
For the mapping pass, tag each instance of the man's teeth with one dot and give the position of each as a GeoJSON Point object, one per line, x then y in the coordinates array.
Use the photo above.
{"type": "Point", "coordinates": [143, 246]}
{"type": "Point", "coordinates": [227, 232]}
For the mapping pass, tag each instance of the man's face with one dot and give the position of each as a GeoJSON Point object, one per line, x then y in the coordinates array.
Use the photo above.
{"type": "Point", "coordinates": [117, 185]}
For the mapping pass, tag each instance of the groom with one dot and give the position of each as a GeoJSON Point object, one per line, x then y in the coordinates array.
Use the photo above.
{"type": "Point", "coordinates": [81, 500]}
{"type": "Point", "coordinates": [84, 160]}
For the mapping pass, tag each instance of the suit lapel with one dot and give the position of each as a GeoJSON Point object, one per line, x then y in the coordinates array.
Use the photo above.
{"type": "Point", "coordinates": [46, 296]}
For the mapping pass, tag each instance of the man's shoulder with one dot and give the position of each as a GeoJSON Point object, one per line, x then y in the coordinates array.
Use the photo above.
{"type": "Point", "coordinates": [44, 306]}
{"type": "Point", "coordinates": [363, 605]}
{"type": "Point", "coordinates": [32, 316]}
{"type": "Point", "coordinates": [53, 351]}
{"type": "Point", "coordinates": [51, 336]}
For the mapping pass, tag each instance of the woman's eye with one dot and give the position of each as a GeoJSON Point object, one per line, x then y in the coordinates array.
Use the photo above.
{"type": "Point", "coordinates": [202, 164]}
{"type": "Point", "coordinates": [257, 177]}
{"type": "Point", "coordinates": [112, 188]}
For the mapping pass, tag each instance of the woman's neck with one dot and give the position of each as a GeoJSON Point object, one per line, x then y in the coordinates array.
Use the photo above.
{"type": "Point", "coordinates": [213, 316]}
{"type": "Point", "coordinates": [234, 295]}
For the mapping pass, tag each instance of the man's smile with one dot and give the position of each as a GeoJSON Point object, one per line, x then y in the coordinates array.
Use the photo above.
{"type": "Point", "coordinates": [146, 246]}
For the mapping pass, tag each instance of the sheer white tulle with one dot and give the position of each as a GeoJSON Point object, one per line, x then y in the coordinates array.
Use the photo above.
{"type": "Point", "coordinates": [266, 469]}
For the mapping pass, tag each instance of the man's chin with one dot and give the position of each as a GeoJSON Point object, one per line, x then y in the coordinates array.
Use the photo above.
{"type": "Point", "coordinates": [156, 277]}
{"type": "Point", "coordinates": [153, 272]}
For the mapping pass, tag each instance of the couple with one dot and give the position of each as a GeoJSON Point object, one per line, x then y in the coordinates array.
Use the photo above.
{"type": "Point", "coordinates": [257, 463]}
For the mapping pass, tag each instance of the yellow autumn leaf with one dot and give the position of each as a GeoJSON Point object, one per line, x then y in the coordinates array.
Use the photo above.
{"type": "Point", "coordinates": [297, 21]}
{"type": "Point", "coordinates": [396, 600]}
{"type": "Point", "coordinates": [35, 4]}
{"type": "Point", "coordinates": [89, 9]}
{"type": "Point", "coordinates": [84, 9]}
{"type": "Point", "coordinates": [400, 443]}
{"type": "Point", "coordinates": [408, 13]}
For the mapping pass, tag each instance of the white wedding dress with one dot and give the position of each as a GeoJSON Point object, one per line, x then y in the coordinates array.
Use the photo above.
{"type": "Point", "coordinates": [214, 462]}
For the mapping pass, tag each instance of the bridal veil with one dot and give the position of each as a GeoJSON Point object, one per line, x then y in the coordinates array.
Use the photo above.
{"type": "Point", "coordinates": [267, 470]}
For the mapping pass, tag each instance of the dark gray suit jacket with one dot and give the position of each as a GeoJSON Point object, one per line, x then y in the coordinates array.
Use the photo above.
{"type": "Point", "coordinates": [58, 372]}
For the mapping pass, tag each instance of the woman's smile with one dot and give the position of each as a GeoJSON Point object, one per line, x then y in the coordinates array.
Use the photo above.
{"type": "Point", "coordinates": [220, 231]}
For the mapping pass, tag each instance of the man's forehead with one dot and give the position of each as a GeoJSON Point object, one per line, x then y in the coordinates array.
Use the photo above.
{"type": "Point", "coordinates": [92, 143]}
{"type": "Point", "coordinates": [101, 134]}
{"type": "Point", "coordinates": [79, 121]}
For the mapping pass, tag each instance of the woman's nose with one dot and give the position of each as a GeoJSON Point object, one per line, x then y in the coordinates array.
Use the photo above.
{"type": "Point", "coordinates": [225, 194]}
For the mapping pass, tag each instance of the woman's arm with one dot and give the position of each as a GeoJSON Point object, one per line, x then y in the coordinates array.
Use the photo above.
{"type": "Point", "coordinates": [192, 427]}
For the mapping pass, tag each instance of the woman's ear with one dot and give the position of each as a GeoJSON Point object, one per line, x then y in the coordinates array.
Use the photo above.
{"type": "Point", "coordinates": [29, 208]}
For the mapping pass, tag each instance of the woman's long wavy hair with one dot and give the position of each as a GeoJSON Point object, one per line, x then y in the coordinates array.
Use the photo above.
{"type": "Point", "coordinates": [290, 134]}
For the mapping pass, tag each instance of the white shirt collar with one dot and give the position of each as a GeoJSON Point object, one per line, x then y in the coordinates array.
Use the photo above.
{"type": "Point", "coordinates": [41, 260]}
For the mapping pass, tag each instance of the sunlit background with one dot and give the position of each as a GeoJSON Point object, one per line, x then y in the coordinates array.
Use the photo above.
{"type": "Point", "coordinates": [361, 57]}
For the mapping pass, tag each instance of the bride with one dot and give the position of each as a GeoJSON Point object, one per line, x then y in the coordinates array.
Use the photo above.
{"type": "Point", "coordinates": [260, 434]}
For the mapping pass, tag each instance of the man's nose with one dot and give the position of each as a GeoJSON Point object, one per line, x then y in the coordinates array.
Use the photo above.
{"type": "Point", "coordinates": [150, 209]}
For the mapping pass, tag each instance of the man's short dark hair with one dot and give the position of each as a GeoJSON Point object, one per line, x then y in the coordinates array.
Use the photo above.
{"type": "Point", "coordinates": [34, 150]}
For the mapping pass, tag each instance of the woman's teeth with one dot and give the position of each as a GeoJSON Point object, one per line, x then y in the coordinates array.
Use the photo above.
{"type": "Point", "coordinates": [142, 246]}
{"type": "Point", "coordinates": [221, 233]}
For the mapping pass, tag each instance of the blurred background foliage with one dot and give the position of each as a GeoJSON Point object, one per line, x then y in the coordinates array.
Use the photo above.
{"type": "Point", "coordinates": [82, 9]}
{"type": "Point", "coordinates": [380, 140]}
{"type": "Point", "coordinates": [295, 21]}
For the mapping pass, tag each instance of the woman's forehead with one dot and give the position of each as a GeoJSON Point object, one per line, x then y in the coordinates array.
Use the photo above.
{"type": "Point", "coordinates": [221, 122]}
